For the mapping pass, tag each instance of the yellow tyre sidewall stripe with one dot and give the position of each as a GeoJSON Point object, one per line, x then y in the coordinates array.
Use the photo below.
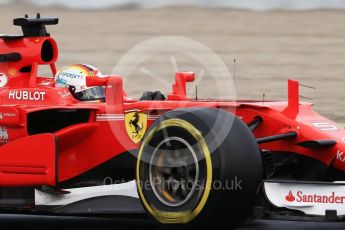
{"type": "Point", "coordinates": [183, 216]}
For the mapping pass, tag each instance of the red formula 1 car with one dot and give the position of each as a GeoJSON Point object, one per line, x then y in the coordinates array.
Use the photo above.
{"type": "Point", "coordinates": [180, 160]}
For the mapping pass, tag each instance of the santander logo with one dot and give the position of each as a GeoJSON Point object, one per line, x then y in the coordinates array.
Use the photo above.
{"type": "Point", "coordinates": [290, 197]}
{"type": "Point", "coordinates": [302, 197]}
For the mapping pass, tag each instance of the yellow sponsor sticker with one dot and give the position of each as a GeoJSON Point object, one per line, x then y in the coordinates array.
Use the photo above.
{"type": "Point", "coordinates": [136, 125]}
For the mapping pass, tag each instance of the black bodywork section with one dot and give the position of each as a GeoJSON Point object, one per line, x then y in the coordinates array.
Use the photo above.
{"type": "Point", "coordinates": [10, 57]}
{"type": "Point", "coordinates": [294, 166]}
{"type": "Point", "coordinates": [50, 121]}
{"type": "Point", "coordinates": [35, 27]}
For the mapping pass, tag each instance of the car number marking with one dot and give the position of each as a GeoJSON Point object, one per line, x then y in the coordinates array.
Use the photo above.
{"type": "Point", "coordinates": [325, 126]}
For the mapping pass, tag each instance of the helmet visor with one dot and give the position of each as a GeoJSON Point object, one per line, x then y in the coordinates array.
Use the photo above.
{"type": "Point", "coordinates": [91, 94]}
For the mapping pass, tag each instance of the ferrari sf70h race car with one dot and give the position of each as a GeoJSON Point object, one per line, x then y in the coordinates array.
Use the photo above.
{"type": "Point", "coordinates": [184, 162]}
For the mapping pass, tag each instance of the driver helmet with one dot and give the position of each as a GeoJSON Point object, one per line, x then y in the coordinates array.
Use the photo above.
{"type": "Point", "coordinates": [74, 77]}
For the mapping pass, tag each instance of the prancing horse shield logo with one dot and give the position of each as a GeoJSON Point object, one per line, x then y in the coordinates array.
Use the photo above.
{"type": "Point", "coordinates": [136, 124]}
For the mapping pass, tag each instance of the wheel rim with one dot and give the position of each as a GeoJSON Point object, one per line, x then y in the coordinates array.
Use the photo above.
{"type": "Point", "coordinates": [174, 171]}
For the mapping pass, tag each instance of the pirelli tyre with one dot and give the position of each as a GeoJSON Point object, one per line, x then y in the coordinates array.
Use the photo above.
{"type": "Point", "coordinates": [197, 167]}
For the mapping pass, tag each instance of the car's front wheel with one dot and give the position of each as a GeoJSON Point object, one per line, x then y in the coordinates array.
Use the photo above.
{"type": "Point", "coordinates": [197, 167]}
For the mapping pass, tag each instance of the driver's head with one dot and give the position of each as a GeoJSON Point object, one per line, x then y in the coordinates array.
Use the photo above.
{"type": "Point", "coordinates": [74, 77]}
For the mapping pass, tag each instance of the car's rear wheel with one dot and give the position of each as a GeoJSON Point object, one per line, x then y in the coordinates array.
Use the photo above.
{"type": "Point", "coordinates": [198, 166]}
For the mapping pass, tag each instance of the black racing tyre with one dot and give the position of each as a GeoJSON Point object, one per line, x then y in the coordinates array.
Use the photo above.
{"type": "Point", "coordinates": [198, 167]}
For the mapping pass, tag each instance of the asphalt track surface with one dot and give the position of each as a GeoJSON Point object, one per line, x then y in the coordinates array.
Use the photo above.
{"type": "Point", "coordinates": [22, 221]}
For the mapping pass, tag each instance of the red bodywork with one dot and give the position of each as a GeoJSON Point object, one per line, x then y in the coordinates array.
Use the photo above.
{"type": "Point", "coordinates": [52, 158]}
